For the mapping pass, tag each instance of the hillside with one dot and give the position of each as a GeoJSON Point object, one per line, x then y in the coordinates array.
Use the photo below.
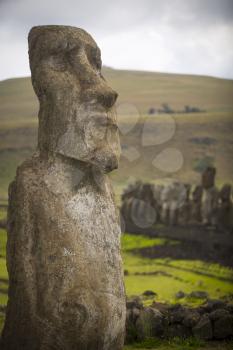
{"type": "Point", "coordinates": [201, 137]}
{"type": "Point", "coordinates": [142, 89]}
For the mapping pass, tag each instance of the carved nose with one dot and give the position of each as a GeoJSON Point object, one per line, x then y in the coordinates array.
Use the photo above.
{"type": "Point", "coordinates": [107, 98]}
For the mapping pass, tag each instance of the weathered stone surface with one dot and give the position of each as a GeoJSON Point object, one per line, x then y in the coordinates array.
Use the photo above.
{"type": "Point", "coordinates": [134, 303]}
{"type": "Point", "coordinates": [173, 198]}
{"type": "Point", "coordinates": [131, 331]}
{"type": "Point", "coordinates": [178, 330]}
{"type": "Point", "coordinates": [168, 321]}
{"type": "Point", "coordinates": [149, 293]}
{"type": "Point", "coordinates": [210, 206]}
{"type": "Point", "coordinates": [176, 313]}
{"type": "Point", "coordinates": [225, 207]}
{"type": "Point", "coordinates": [203, 329]}
{"type": "Point", "coordinates": [180, 294]}
{"type": "Point", "coordinates": [217, 314]}
{"type": "Point", "coordinates": [191, 318]}
{"type": "Point", "coordinates": [196, 205]}
{"type": "Point", "coordinates": [223, 323]}
{"type": "Point", "coordinates": [63, 253]}
{"type": "Point", "coordinates": [208, 177]}
{"type": "Point", "coordinates": [150, 323]}
{"type": "Point", "coordinates": [131, 318]}
{"type": "Point", "coordinates": [212, 304]}
{"type": "Point", "coordinates": [223, 326]}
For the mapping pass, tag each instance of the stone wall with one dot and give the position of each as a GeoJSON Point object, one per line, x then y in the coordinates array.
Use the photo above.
{"type": "Point", "coordinates": [212, 320]}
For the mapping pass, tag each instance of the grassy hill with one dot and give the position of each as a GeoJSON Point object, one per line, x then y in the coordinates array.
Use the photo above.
{"type": "Point", "coordinates": [201, 138]}
{"type": "Point", "coordinates": [149, 143]}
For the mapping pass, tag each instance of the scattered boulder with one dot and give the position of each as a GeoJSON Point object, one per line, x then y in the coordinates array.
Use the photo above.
{"type": "Point", "coordinates": [229, 307]}
{"type": "Point", "coordinates": [217, 314]}
{"type": "Point", "coordinates": [203, 329]}
{"type": "Point", "coordinates": [130, 328]}
{"type": "Point", "coordinates": [199, 294]}
{"type": "Point", "coordinates": [180, 294]}
{"type": "Point", "coordinates": [134, 303]}
{"type": "Point", "coordinates": [178, 330]}
{"type": "Point", "coordinates": [191, 318]}
{"type": "Point", "coordinates": [176, 313]}
{"type": "Point", "coordinates": [149, 293]}
{"type": "Point", "coordinates": [222, 323]}
{"type": "Point", "coordinates": [212, 304]}
{"type": "Point", "coordinates": [133, 311]}
{"type": "Point", "coordinates": [223, 326]}
{"type": "Point", "coordinates": [150, 323]}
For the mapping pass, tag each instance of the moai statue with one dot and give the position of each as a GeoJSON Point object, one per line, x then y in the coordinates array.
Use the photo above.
{"type": "Point", "coordinates": [208, 178]}
{"type": "Point", "coordinates": [157, 193]}
{"type": "Point", "coordinates": [165, 200]}
{"type": "Point", "coordinates": [196, 205]}
{"type": "Point", "coordinates": [184, 209]}
{"type": "Point", "coordinates": [173, 197]}
{"type": "Point", "coordinates": [139, 206]}
{"type": "Point", "coordinates": [142, 213]}
{"type": "Point", "coordinates": [210, 197]}
{"type": "Point", "coordinates": [63, 252]}
{"type": "Point", "coordinates": [225, 213]}
{"type": "Point", "coordinates": [131, 191]}
{"type": "Point", "coordinates": [127, 196]}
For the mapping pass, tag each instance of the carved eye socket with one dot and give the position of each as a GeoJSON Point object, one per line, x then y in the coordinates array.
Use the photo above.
{"type": "Point", "coordinates": [94, 58]}
{"type": "Point", "coordinates": [57, 62]}
{"type": "Point", "coordinates": [98, 63]}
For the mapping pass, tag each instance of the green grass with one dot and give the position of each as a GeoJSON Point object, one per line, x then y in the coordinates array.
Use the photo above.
{"type": "Point", "coordinates": [130, 241]}
{"type": "Point", "coordinates": [3, 270]}
{"type": "Point", "coordinates": [9, 162]}
{"type": "Point", "coordinates": [2, 243]}
{"type": "Point", "coordinates": [3, 213]}
{"type": "Point", "coordinates": [166, 277]}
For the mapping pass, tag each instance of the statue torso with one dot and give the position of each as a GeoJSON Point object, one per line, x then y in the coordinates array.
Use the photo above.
{"type": "Point", "coordinates": [73, 252]}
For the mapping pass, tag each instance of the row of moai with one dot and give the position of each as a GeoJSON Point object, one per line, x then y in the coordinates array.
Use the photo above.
{"type": "Point", "coordinates": [178, 203]}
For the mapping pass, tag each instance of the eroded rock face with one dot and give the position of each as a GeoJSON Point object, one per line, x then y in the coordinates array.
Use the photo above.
{"type": "Point", "coordinates": [196, 204]}
{"type": "Point", "coordinates": [63, 252]}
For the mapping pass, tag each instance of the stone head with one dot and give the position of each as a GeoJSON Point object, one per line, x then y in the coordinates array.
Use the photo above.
{"type": "Point", "coordinates": [77, 117]}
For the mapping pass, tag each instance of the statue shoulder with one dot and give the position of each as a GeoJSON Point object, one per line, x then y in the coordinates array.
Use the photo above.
{"type": "Point", "coordinates": [27, 181]}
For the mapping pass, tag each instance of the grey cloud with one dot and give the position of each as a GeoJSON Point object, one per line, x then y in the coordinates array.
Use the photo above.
{"type": "Point", "coordinates": [108, 16]}
{"type": "Point", "coordinates": [177, 22]}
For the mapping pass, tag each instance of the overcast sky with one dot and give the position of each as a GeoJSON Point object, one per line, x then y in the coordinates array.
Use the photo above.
{"type": "Point", "coordinates": [179, 36]}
